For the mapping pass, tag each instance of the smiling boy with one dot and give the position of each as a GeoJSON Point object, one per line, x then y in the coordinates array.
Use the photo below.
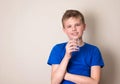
{"type": "Point", "coordinates": [70, 66]}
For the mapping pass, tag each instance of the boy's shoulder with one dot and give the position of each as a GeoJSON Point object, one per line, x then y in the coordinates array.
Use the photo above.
{"type": "Point", "coordinates": [60, 44]}
{"type": "Point", "coordinates": [91, 45]}
{"type": "Point", "coordinates": [88, 45]}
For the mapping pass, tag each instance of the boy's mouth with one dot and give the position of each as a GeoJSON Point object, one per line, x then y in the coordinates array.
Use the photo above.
{"type": "Point", "coordinates": [74, 34]}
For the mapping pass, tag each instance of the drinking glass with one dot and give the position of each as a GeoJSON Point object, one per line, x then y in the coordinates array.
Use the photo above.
{"type": "Point", "coordinates": [77, 41]}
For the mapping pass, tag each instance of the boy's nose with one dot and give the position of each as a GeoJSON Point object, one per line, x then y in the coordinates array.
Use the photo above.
{"type": "Point", "coordinates": [73, 28]}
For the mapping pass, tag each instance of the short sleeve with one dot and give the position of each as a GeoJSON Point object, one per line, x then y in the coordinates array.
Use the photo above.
{"type": "Point", "coordinates": [97, 59]}
{"type": "Point", "coordinates": [54, 56]}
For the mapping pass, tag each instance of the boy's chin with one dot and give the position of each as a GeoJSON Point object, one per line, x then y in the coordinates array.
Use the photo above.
{"type": "Point", "coordinates": [73, 38]}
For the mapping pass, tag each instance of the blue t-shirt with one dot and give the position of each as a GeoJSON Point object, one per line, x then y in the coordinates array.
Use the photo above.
{"type": "Point", "coordinates": [80, 62]}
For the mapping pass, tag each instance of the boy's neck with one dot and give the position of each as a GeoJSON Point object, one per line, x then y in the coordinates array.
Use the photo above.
{"type": "Point", "coordinates": [81, 43]}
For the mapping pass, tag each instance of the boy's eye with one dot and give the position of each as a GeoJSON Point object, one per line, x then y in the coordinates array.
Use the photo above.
{"type": "Point", "coordinates": [77, 24]}
{"type": "Point", "coordinates": [69, 26]}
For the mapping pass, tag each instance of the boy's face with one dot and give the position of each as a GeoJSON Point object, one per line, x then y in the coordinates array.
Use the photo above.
{"type": "Point", "coordinates": [74, 28]}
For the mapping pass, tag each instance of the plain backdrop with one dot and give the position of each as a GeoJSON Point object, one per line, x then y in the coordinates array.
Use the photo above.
{"type": "Point", "coordinates": [30, 28]}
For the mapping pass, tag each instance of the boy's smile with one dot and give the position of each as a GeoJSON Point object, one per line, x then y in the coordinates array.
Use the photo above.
{"type": "Point", "coordinates": [74, 34]}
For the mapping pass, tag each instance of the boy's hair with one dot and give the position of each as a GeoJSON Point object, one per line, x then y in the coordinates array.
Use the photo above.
{"type": "Point", "coordinates": [72, 13]}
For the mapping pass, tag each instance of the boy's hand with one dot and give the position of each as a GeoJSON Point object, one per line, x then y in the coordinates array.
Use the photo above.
{"type": "Point", "coordinates": [71, 47]}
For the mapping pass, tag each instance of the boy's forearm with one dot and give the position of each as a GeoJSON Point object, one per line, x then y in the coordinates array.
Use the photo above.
{"type": "Point", "coordinates": [59, 74]}
{"type": "Point", "coordinates": [80, 79]}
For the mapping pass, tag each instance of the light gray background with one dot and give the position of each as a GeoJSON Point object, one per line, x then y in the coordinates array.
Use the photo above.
{"type": "Point", "coordinates": [29, 29]}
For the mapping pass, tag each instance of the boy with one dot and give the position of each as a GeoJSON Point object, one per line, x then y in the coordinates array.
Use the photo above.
{"type": "Point", "coordinates": [71, 65]}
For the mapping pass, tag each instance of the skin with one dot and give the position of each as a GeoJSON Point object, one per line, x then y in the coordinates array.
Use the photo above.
{"type": "Point", "coordinates": [73, 28]}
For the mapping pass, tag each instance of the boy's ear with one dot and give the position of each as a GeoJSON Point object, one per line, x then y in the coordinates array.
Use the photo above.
{"type": "Point", "coordinates": [84, 27]}
{"type": "Point", "coordinates": [64, 30]}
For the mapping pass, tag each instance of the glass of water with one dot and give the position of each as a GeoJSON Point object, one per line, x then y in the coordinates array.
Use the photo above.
{"type": "Point", "coordinates": [77, 47]}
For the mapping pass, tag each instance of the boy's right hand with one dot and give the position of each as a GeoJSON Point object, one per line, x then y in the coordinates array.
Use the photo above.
{"type": "Point", "coordinates": [71, 47]}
